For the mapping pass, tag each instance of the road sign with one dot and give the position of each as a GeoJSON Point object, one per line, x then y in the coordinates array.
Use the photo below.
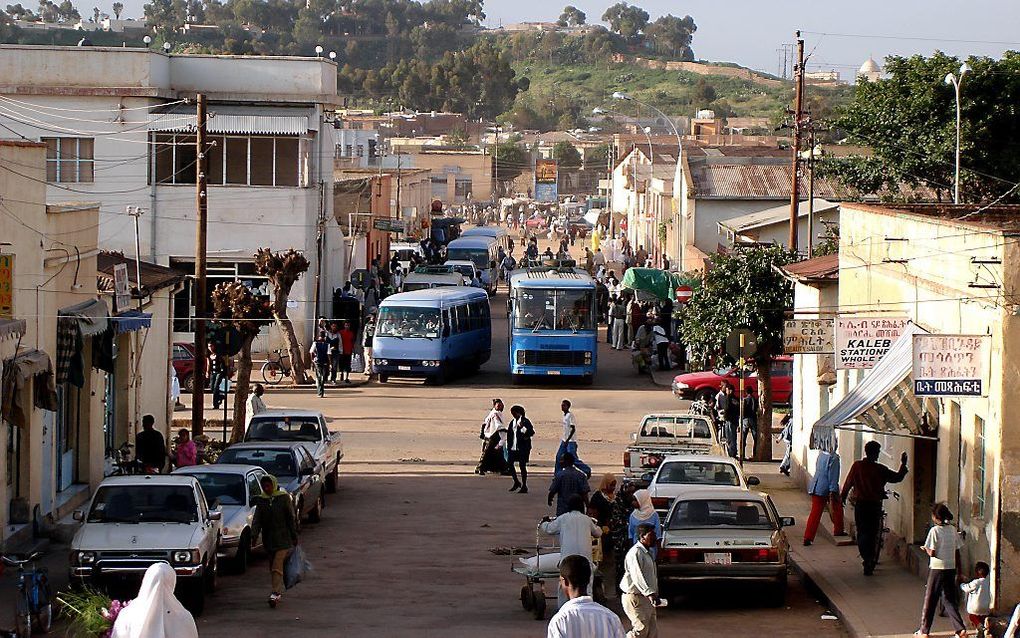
{"type": "Point", "coordinates": [950, 365]}
{"type": "Point", "coordinates": [388, 224]}
{"type": "Point", "coordinates": [741, 343]}
{"type": "Point", "coordinates": [807, 336]}
{"type": "Point", "coordinates": [684, 293]}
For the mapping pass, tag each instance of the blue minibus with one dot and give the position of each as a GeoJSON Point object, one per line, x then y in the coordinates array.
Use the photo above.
{"type": "Point", "coordinates": [482, 251]}
{"type": "Point", "coordinates": [432, 333]}
{"type": "Point", "coordinates": [553, 328]}
{"type": "Point", "coordinates": [500, 234]}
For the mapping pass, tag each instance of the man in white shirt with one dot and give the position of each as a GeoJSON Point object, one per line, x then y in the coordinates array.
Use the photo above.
{"type": "Point", "coordinates": [491, 435]}
{"type": "Point", "coordinates": [576, 529]}
{"type": "Point", "coordinates": [255, 404]}
{"type": "Point", "coordinates": [640, 586]}
{"type": "Point", "coordinates": [568, 442]}
{"type": "Point", "coordinates": [580, 616]}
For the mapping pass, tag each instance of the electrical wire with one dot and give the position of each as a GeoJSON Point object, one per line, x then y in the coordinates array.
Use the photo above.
{"type": "Point", "coordinates": [907, 37]}
{"type": "Point", "coordinates": [43, 107]}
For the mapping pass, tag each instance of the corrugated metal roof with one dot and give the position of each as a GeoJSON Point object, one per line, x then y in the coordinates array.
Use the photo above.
{"type": "Point", "coordinates": [239, 120]}
{"type": "Point", "coordinates": [775, 215]}
{"type": "Point", "coordinates": [751, 181]}
{"type": "Point", "coordinates": [822, 268]}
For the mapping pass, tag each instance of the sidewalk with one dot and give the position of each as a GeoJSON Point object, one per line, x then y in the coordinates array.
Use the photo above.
{"type": "Point", "coordinates": [886, 605]}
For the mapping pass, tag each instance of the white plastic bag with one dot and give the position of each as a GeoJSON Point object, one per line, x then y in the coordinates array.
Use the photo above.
{"type": "Point", "coordinates": [296, 568]}
{"type": "Point", "coordinates": [357, 364]}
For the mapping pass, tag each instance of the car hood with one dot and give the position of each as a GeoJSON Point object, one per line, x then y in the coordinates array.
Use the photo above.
{"type": "Point", "coordinates": [698, 378]}
{"type": "Point", "coordinates": [717, 537]}
{"type": "Point", "coordinates": [128, 536]}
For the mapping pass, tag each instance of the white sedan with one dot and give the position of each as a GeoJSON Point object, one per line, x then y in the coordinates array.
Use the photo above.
{"type": "Point", "coordinates": [683, 472]}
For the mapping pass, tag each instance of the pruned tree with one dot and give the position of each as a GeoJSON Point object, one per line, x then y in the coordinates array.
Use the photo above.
{"type": "Point", "coordinates": [283, 270]}
{"type": "Point", "coordinates": [118, 8]}
{"type": "Point", "coordinates": [247, 313]}
{"type": "Point", "coordinates": [743, 289]}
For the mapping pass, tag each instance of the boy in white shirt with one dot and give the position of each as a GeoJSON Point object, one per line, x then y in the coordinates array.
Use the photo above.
{"type": "Point", "coordinates": [979, 597]}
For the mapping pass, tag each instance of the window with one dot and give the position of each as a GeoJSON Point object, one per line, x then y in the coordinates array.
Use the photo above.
{"type": "Point", "coordinates": [462, 188]}
{"type": "Point", "coordinates": [254, 487]}
{"type": "Point", "coordinates": [254, 160]}
{"type": "Point", "coordinates": [70, 159]}
{"type": "Point", "coordinates": [980, 475]}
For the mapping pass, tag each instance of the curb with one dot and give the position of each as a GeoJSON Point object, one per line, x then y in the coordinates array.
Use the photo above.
{"type": "Point", "coordinates": [820, 587]}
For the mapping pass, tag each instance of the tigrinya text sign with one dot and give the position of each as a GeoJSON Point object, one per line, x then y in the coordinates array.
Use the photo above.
{"type": "Point", "coordinates": [862, 341]}
{"type": "Point", "coordinates": [950, 365]}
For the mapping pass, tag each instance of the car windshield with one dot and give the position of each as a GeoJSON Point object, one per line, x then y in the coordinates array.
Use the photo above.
{"type": "Point", "coordinates": [225, 489]}
{"type": "Point", "coordinates": [408, 321]}
{"type": "Point", "coordinates": [276, 462]}
{"type": "Point", "coordinates": [144, 504]}
{"type": "Point", "coordinates": [288, 428]}
{"type": "Point", "coordinates": [465, 269]}
{"type": "Point", "coordinates": [404, 254]}
{"type": "Point", "coordinates": [698, 473]}
{"type": "Point", "coordinates": [547, 309]}
{"type": "Point", "coordinates": [683, 427]}
{"type": "Point", "coordinates": [697, 514]}
{"type": "Point", "coordinates": [478, 256]}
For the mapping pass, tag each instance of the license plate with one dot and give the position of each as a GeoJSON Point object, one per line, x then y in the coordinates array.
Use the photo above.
{"type": "Point", "coordinates": [722, 558]}
{"type": "Point", "coordinates": [553, 372]}
{"type": "Point", "coordinates": [403, 367]}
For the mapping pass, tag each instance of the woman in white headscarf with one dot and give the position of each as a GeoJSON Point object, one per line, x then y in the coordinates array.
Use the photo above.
{"type": "Point", "coordinates": [155, 612]}
{"type": "Point", "coordinates": [644, 514]}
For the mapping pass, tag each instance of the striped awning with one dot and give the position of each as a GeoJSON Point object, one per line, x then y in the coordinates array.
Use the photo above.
{"type": "Point", "coordinates": [883, 401]}
{"type": "Point", "coordinates": [12, 328]}
{"type": "Point", "coordinates": [239, 120]}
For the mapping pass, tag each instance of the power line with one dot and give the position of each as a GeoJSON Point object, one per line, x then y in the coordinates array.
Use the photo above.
{"type": "Point", "coordinates": [907, 37]}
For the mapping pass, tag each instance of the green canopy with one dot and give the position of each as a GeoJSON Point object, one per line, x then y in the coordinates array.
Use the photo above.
{"type": "Point", "coordinates": [658, 283]}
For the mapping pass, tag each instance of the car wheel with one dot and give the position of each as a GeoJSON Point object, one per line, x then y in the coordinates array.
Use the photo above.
{"type": "Point", "coordinates": [243, 554]}
{"type": "Point", "coordinates": [315, 515]}
{"type": "Point", "coordinates": [333, 480]}
{"type": "Point", "coordinates": [297, 516]}
{"type": "Point", "coordinates": [189, 383]}
{"type": "Point", "coordinates": [211, 575]}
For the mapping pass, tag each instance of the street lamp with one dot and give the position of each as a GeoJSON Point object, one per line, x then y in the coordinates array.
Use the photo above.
{"type": "Point", "coordinates": [956, 81]}
{"type": "Point", "coordinates": [318, 50]}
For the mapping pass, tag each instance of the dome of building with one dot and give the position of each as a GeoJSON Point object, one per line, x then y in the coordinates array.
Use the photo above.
{"type": "Point", "coordinates": [869, 66]}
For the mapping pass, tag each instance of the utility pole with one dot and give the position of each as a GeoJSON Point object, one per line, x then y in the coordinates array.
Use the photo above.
{"type": "Point", "coordinates": [495, 166]}
{"type": "Point", "coordinates": [798, 111]}
{"type": "Point", "coordinates": [201, 205]}
{"type": "Point", "coordinates": [136, 212]}
{"type": "Point", "coordinates": [320, 230]}
{"type": "Point", "coordinates": [811, 192]}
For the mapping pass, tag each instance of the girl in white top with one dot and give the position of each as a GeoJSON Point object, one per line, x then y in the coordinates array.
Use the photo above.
{"type": "Point", "coordinates": [942, 546]}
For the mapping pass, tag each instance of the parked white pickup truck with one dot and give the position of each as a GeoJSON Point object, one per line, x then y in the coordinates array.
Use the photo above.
{"type": "Point", "coordinates": [135, 521]}
{"type": "Point", "coordinates": [306, 427]}
{"type": "Point", "coordinates": [667, 434]}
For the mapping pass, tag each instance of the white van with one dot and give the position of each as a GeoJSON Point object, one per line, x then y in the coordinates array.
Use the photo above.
{"type": "Point", "coordinates": [402, 252]}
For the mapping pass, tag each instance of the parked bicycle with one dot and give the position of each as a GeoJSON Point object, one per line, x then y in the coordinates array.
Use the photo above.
{"type": "Point", "coordinates": [276, 367]}
{"type": "Point", "coordinates": [124, 461]}
{"type": "Point", "coordinates": [883, 529]}
{"type": "Point", "coordinates": [33, 606]}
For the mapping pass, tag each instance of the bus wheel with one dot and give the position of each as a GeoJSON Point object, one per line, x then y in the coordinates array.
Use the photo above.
{"type": "Point", "coordinates": [383, 378]}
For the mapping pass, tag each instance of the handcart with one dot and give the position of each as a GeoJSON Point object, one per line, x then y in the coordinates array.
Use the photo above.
{"type": "Point", "coordinates": [543, 566]}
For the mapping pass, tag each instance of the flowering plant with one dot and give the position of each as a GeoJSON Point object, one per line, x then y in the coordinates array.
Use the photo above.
{"type": "Point", "coordinates": [91, 613]}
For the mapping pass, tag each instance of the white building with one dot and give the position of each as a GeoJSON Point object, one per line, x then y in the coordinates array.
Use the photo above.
{"type": "Point", "coordinates": [120, 128]}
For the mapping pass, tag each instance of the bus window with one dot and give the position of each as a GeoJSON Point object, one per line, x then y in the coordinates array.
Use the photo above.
{"type": "Point", "coordinates": [463, 321]}
{"type": "Point", "coordinates": [407, 321]}
{"type": "Point", "coordinates": [542, 309]}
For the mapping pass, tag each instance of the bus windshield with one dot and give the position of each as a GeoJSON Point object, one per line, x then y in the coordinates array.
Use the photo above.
{"type": "Point", "coordinates": [480, 256]}
{"type": "Point", "coordinates": [407, 321]}
{"type": "Point", "coordinates": [546, 309]}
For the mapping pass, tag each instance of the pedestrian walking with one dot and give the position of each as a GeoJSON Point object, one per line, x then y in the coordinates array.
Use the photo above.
{"type": "Point", "coordinates": [568, 482]}
{"type": "Point", "coordinates": [274, 519]}
{"type": "Point", "coordinates": [979, 597]}
{"type": "Point", "coordinates": [660, 340]}
{"type": "Point", "coordinates": [576, 531]}
{"type": "Point", "coordinates": [618, 314]}
{"type": "Point", "coordinates": [867, 479]}
{"type": "Point", "coordinates": [491, 433]}
{"type": "Point", "coordinates": [568, 442]}
{"type": "Point", "coordinates": [367, 336]}
{"type": "Point", "coordinates": [943, 548]}
{"type": "Point", "coordinates": [728, 411]}
{"type": "Point", "coordinates": [824, 491]}
{"type": "Point", "coordinates": [320, 358]}
{"type": "Point", "coordinates": [749, 423]}
{"type": "Point", "coordinates": [346, 335]}
{"type": "Point", "coordinates": [580, 616]}
{"type": "Point", "coordinates": [518, 447]}
{"type": "Point", "coordinates": [186, 453]}
{"type": "Point", "coordinates": [640, 585]}
{"type": "Point", "coordinates": [254, 404]}
{"type": "Point", "coordinates": [786, 436]}
{"type": "Point", "coordinates": [643, 514]}
{"type": "Point", "coordinates": [333, 339]}
{"type": "Point", "coordinates": [150, 447]}
{"type": "Point", "coordinates": [155, 612]}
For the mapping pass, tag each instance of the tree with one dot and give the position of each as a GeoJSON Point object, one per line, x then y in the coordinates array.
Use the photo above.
{"type": "Point", "coordinates": [19, 12]}
{"type": "Point", "coordinates": [673, 35]}
{"type": "Point", "coordinates": [908, 119]}
{"type": "Point", "coordinates": [571, 16]}
{"type": "Point", "coordinates": [509, 160]}
{"type": "Point", "coordinates": [743, 289]}
{"type": "Point", "coordinates": [235, 303]}
{"type": "Point", "coordinates": [118, 8]}
{"type": "Point", "coordinates": [704, 93]}
{"type": "Point", "coordinates": [283, 270]}
{"type": "Point", "coordinates": [566, 155]}
{"type": "Point", "coordinates": [627, 20]}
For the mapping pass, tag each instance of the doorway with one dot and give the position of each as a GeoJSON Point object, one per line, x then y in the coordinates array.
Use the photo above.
{"type": "Point", "coordinates": [924, 468]}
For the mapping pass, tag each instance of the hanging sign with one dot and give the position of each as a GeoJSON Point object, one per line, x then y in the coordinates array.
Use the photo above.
{"type": "Point", "coordinates": [862, 341]}
{"type": "Point", "coordinates": [807, 336]}
{"type": "Point", "coordinates": [121, 287]}
{"type": "Point", "coordinates": [950, 365]}
{"type": "Point", "coordinates": [6, 286]}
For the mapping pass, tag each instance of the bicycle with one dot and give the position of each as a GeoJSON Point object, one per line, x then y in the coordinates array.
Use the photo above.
{"type": "Point", "coordinates": [33, 607]}
{"type": "Point", "coordinates": [123, 462]}
{"type": "Point", "coordinates": [883, 529]}
{"type": "Point", "coordinates": [276, 367]}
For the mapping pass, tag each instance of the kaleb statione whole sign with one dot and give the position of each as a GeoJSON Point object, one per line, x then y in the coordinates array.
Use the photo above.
{"type": "Point", "coordinates": [862, 341]}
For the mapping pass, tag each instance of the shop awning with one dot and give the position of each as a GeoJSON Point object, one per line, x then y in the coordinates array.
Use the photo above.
{"type": "Point", "coordinates": [238, 120]}
{"type": "Point", "coordinates": [17, 371]}
{"type": "Point", "coordinates": [12, 328]}
{"type": "Point", "coordinates": [131, 321]}
{"type": "Point", "coordinates": [92, 316]}
{"type": "Point", "coordinates": [883, 401]}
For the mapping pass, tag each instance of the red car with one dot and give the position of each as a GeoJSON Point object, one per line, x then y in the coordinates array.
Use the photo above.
{"type": "Point", "coordinates": [184, 365]}
{"type": "Point", "coordinates": [705, 384]}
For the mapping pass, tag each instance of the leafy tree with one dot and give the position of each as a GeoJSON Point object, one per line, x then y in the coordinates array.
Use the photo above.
{"type": "Point", "coordinates": [283, 269]}
{"type": "Point", "coordinates": [509, 160]}
{"type": "Point", "coordinates": [572, 16]}
{"type": "Point", "coordinates": [704, 93]}
{"type": "Point", "coordinates": [598, 157]}
{"type": "Point", "coordinates": [566, 155]}
{"type": "Point", "coordinates": [68, 12]}
{"type": "Point", "coordinates": [908, 119]}
{"type": "Point", "coordinates": [19, 12]}
{"type": "Point", "coordinates": [118, 8]}
{"type": "Point", "coordinates": [743, 289]}
{"type": "Point", "coordinates": [627, 20]}
{"type": "Point", "coordinates": [673, 35]}
{"type": "Point", "coordinates": [248, 313]}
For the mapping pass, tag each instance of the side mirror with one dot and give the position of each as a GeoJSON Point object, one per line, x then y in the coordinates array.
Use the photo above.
{"type": "Point", "coordinates": [633, 437]}
{"type": "Point", "coordinates": [215, 515]}
{"type": "Point", "coordinates": [753, 480]}
{"type": "Point", "coordinates": [78, 515]}
{"type": "Point", "coordinates": [786, 521]}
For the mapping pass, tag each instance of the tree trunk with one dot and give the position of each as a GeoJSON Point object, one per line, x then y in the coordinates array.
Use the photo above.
{"type": "Point", "coordinates": [764, 451]}
{"type": "Point", "coordinates": [297, 359]}
{"type": "Point", "coordinates": [241, 390]}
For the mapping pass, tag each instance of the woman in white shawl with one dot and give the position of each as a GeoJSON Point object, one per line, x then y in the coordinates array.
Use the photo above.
{"type": "Point", "coordinates": [155, 612]}
{"type": "Point", "coordinates": [644, 514]}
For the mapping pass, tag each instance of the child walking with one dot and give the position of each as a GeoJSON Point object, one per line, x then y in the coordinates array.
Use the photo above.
{"type": "Point", "coordinates": [979, 597]}
{"type": "Point", "coordinates": [942, 546]}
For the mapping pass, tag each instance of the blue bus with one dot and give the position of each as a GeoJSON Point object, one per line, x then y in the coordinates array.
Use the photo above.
{"type": "Point", "coordinates": [553, 327]}
{"type": "Point", "coordinates": [498, 232]}
{"type": "Point", "coordinates": [482, 251]}
{"type": "Point", "coordinates": [432, 333]}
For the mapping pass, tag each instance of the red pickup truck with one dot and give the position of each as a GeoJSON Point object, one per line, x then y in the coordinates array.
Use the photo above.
{"type": "Point", "coordinates": [705, 384]}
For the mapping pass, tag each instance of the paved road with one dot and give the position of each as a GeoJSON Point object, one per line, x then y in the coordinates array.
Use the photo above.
{"type": "Point", "coordinates": [403, 548]}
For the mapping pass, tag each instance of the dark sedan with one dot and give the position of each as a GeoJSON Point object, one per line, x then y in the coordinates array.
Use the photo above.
{"type": "Point", "coordinates": [294, 468]}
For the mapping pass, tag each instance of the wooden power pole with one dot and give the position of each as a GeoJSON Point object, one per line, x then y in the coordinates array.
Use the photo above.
{"type": "Point", "coordinates": [202, 209]}
{"type": "Point", "coordinates": [797, 117]}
